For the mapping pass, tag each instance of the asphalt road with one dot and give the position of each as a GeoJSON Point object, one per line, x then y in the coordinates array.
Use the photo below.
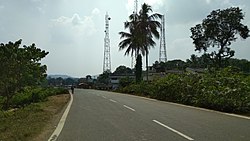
{"type": "Point", "coordinates": [106, 116]}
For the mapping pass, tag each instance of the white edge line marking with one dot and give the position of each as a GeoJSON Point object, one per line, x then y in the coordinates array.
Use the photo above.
{"type": "Point", "coordinates": [129, 108]}
{"type": "Point", "coordinates": [104, 97]}
{"type": "Point", "coordinates": [173, 130]}
{"type": "Point", "coordinates": [60, 125]}
{"type": "Point", "coordinates": [192, 107]}
{"type": "Point", "coordinates": [238, 116]}
{"type": "Point", "coordinates": [112, 100]}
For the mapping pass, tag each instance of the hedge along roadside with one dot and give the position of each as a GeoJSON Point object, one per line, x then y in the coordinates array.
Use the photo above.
{"type": "Point", "coordinates": [225, 90]}
{"type": "Point", "coordinates": [33, 95]}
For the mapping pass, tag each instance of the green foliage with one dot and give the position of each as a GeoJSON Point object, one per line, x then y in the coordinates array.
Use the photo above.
{"type": "Point", "coordinates": [123, 82]}
{"type": "Point", "coordinates": [170, 65]}
{"type": "Point", "coordinates": [159, 67]}
{"type": "Point", "coordinates": [176, 65]}
{"type": "Point", "coordinates": [104, 78]}
{"type": "Point", "coordinates": [20, 67]}
{"type": "Point", "coordinates": [242, 64]}
{"type": "Point", "coordinates": [33, 95]}
{"type": "Point", "coordinates": [143, 89]}
{"type": "Point", "coordinates": [219, 30]}
{"type": "Point", "coordinates": [204, 61]}
{"type": "Point", "coordinates": [224, 90]}
{"type": "Point", "coordinates": [60, 81]}
{"type": "Point", "coordinates": [1, 101]}
{"type": "Point", "coordinates": [176, 88]}
{"type": "Point", "coordinates": [123, 70]}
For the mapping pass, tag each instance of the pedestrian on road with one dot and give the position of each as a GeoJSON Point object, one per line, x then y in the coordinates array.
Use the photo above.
{"type": "Point", "coordinates": [72, 89]}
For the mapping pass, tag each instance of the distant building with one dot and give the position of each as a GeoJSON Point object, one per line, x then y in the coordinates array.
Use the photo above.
{"type": "Point", "coordinates": [115, 79]}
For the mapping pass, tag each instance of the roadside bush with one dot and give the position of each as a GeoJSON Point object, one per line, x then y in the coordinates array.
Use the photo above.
{"type": "Point", "coordinates": [168, 88]}
{"type": "Point", "coordinates": [225, 90]}
{"type": "Point", "coordinates": [33, 95]}
{"type": "Point", "coordinates": [142, 89]}
{"type": "Point", "coordinates": [180, 88]}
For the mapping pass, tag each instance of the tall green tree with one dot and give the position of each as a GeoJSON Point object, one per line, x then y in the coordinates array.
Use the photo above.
{"type": "Point", "coordinates": [20, 67]}
{"type": "Point", "coordinates": [219, 30]}
{"type": "Point", "coordinates": [148, 28]}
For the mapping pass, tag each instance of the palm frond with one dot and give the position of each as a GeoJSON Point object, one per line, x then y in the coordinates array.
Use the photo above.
{"type": "Point", "coordinates": [124, 35]}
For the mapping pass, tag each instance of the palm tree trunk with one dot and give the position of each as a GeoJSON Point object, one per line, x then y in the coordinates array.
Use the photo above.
{"type": "Point", "coordinates": [147, 65]}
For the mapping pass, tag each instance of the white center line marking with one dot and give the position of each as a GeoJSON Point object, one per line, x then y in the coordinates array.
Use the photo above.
{"type": "Point", "coordinates": [104, 97]}
{"type": "Point", "coordinates": [112, 100]}
{"type": "Point", "coordinates": [129, 108]}
{"type": "Point", "coordinates": [173, 130]}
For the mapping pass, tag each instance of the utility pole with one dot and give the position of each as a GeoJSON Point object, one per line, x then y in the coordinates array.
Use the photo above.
{"type": "Point", "coordinates": [107, 58]}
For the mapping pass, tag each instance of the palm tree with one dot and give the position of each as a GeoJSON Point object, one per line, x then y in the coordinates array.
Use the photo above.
{"type": "Point", "coordinates": [132, 38]}
{"type": "Point", "coordinates": [148, 27]}
{"type": "Point", "coordinates": [132, 42]}
{"type": "Point", "coordinates": [142, 29]}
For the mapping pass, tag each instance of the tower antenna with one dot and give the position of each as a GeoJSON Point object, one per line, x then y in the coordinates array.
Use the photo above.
{"type": "Point", "coordinates": [133, 58]}
{"type": "Point", "coordinates": [107, 60]}
{"type": "Point", "coordinates": [163, 52]}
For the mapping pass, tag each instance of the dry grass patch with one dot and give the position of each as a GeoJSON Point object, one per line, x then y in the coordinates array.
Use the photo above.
{"type": "Point", "coordinates": [34, 122]}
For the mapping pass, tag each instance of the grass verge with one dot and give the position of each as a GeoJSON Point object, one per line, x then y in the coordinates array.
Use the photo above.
{"type": "Point", "coordinates": [33, 122]}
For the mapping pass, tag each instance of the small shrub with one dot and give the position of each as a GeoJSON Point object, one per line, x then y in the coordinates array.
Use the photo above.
{"type": "Point", "coordinates": [33, 95]}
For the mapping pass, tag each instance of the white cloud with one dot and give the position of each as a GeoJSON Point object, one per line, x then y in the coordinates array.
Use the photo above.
{"type": "Point", "coordinates": [76, 20]}
{"type": "Point", "coordinates": [61, 20]}
{"type": "Point", "coordinates": [72, 29]}
{"type": "Point", "coordinates": [95, 11]}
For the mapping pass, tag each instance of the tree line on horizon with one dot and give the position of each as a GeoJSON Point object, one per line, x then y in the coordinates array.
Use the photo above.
{"type": "Point", "coordinates": [217, 31]}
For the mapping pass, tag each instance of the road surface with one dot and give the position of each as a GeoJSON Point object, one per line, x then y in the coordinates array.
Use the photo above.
{"type": "Point", "coordinates": [107, 116]}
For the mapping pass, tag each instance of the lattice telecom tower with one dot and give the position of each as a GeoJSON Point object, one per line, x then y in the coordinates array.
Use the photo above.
{"type": "Point", "coordinates": [135, 6]}
{"type": "Point", "coordinates": [163, 52]}
{"type": "Point", "coordinates": [107, 60]}
{"type": "Point", "coordinates": [133, 58]}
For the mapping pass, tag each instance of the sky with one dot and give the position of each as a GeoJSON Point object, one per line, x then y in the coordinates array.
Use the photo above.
{"type": "Point", "coordinates": [72, 31]}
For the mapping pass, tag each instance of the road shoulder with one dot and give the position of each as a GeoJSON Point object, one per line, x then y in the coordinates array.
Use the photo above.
{"type": "Point", "coordinates": [56, 107]}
